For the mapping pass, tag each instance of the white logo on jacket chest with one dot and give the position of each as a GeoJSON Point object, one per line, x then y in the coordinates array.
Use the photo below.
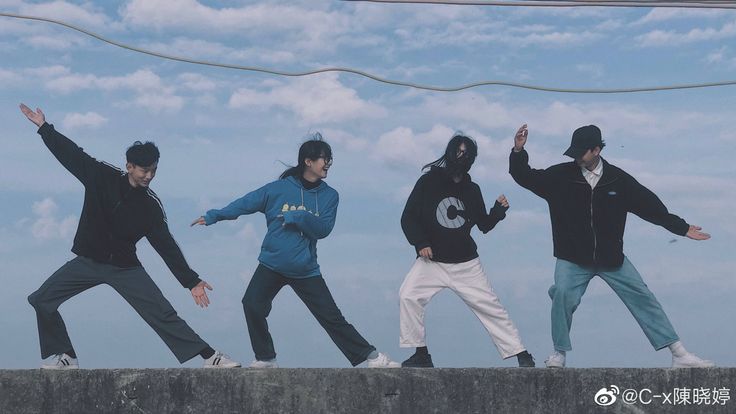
{"type": "Point", "coordinates": [448, 213]}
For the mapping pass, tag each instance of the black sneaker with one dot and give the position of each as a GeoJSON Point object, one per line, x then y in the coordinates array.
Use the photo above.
{"type": "Point", "coordinates": [526, 360]}
{"type": "Point", "coordinates": [418, 361]}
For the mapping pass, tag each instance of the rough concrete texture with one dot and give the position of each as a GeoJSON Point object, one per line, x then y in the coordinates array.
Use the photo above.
{"type": "Point", "coordinates": [474, 390]}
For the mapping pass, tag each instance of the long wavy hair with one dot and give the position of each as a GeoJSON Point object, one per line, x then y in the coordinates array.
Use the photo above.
{"type": "Point", "coordinates": [450, 161]}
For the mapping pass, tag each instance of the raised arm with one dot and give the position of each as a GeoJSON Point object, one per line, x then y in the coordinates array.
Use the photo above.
{"type": "Point", "coordinates": [71, 156]}
{"type": "Point", "coordinates": [487, 221]}
{"type": "Point", "coordinates": [521, 172]}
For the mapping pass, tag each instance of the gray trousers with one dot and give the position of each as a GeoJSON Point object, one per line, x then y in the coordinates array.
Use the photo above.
{"type": "Point", "coordinates": [132, 283]}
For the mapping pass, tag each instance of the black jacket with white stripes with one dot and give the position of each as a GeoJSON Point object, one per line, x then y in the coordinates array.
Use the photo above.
{"type": "Point", "coordinates": [116, 215]}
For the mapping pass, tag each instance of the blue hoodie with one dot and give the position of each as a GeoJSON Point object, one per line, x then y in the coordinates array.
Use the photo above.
{"type": "Point", "coordinates": [296, 219]}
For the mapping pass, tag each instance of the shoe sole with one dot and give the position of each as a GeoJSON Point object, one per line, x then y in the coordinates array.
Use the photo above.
{"type": "Point", "coordinates": [221, 366]}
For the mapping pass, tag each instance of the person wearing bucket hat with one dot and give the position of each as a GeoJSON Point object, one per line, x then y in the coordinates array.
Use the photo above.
{"type": "Point", "coordinates": [589, 200]}
{"type": "Point", "coordinates": [583, 139]}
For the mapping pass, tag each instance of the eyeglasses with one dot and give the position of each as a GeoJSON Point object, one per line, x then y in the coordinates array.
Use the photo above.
{"type": "Point", "coordinates": [328, 160]}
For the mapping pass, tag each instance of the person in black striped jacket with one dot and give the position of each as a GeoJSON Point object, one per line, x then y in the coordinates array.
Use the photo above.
{"type": "Point", "coordinates": [119, 209]}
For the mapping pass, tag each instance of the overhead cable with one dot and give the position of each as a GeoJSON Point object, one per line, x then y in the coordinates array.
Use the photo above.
{"type": "Point", "coordinates": [374, 77]}
{"type": "Point", "coordinates": [702, 4]}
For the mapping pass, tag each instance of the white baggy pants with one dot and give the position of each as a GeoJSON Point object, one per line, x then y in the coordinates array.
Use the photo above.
{"type": "Point", "coordinates": [468, 280]}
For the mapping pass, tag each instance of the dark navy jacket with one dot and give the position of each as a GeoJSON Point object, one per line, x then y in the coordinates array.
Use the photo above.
{"type": "Point", "coordinates": [588, 224]}
{"type": "Point", "coordinates": [116, 215]}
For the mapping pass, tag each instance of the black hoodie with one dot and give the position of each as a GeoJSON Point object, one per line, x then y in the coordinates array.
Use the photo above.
{"type": "Point", "coordinates": [588, 224]}
{"type": "Point", "coordinates": [440, 214]}
{"type": "Point", "coordinates": [116, 215]}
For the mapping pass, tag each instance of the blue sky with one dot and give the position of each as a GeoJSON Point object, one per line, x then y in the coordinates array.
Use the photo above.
{"type": "Point", "coordinates": [223, 133]}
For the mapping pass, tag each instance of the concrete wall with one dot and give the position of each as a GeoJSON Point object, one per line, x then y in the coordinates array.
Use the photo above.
{"type": "Point", "coordinates": [497, 390]}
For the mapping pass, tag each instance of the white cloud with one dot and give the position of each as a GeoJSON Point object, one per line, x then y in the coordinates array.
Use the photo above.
{"type": "Point", "coordinates": [670, 38]}
{"type": "Point", "coordinates": [315, 99]}
{"type": "Point", "coordinates": [69, 12]}
{"type": "Point", "coordinates": [473, 107]}
{"type": "Point", "coordinates": [404, 149]}
{"type": "Point", "coordinates": [8, 77]}
{"type": "Point", "coordinates": [86, 120]}
{"type": "Point", "coordinates": [160, 102]}
{"type": "Point", "coordinates": [306, 27]}
{"type": "Point", "coordinates": [196, 82]}
{"type": "Point", "coordinates": [657, 15]}
{"type": "Point", "coordinates": [203, 49]}
{"type": "Point", "coordinates": [56, 42]}
{"type": "Point", "coordinates": [46, 226]}
{"type": "Point", "coordinates": [469, 32]}
{"type": "Point", "coordinates": [345, 139]}
{"type": "Point", "coordinates": [152, 93]}
{"type": "Point", "coordinates": [716, 56]}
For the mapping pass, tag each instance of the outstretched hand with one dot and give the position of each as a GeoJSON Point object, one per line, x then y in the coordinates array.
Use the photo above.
{"type": "Point", "coordinates": [199, 221]}
{"type": "Point", "coordinates": [694, 233]}
{"type": "Point", "coordinates": [520, 138]}
{"type": "Point", "coordinates": [37, 117]}
{"type": "Point", "coordinates": [200, 295]}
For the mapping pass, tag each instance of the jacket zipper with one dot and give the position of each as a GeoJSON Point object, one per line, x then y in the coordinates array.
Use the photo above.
{"type": "Point", "coordinates": [112, 217]}
{"type": "Point", "coordinates": [592, 227]}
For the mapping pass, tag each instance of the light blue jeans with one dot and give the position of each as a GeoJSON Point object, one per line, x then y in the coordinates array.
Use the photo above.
{"type": "Point", "coordinates": [571, 280]}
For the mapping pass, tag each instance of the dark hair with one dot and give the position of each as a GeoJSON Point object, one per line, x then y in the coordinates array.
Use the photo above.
{"type": "Point", "coordinates": [449, 159]}
{"type": "Point", "coordinates": [142, 155]}
{"type": "Point", "coordinates": [314, 148]}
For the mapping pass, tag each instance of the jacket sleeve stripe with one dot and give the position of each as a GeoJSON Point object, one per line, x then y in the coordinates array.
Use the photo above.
{"type": "Point", "coordinates": [155, 197]}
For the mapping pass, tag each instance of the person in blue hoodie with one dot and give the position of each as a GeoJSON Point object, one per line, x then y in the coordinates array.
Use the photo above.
{"type": "Point", "coordinates": [300, 208]}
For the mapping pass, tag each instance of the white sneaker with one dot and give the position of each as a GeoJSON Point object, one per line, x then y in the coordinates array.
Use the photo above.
{"type": "Point", "coordinates": [382, 361]}
{"type": "Point", "coordinates": [264, 364]}
{"type": "Point", "coordinates": [691, 361]}
{"type": "Point", "coordinates": [556, 360]}
{"type": "Point", "coordinates": [62, 361]}
{"type": "Point", "coordinates": [220, 360]}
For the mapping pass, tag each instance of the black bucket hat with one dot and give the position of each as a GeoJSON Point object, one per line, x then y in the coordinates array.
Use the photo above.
{"type": "Point", "coordinates": [583, 139]}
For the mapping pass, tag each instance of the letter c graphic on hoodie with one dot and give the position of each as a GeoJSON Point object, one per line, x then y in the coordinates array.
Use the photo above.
{"type": "Point", "coordinates": [448, 213]}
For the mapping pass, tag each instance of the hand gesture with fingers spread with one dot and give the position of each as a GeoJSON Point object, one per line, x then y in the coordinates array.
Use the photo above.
{"type": "Point", "coordinates": [694, 233]}
{"type": "Point", "coordinates": [520, 138]}
{"type": "Point", "coordinates": [200, 295]}
{"type": "Point", "coordinates": [37, 117]}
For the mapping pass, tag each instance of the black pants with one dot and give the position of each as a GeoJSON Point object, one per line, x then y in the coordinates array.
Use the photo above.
{"type": "Point", "coordinates": [313, 291]}
{"type": "Point", "coordinates": [132, 283]}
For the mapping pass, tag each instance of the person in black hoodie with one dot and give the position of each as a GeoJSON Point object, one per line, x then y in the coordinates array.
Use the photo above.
{"type": "Point", "coordinates": [119, 209]}
{"type": "Point", "coordinates": [588, 202]}
{"type": "Point", "coordinates": [441, 210]}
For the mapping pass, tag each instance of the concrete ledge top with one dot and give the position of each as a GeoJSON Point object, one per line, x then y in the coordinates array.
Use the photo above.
{"type": "Point", "coordinates": [356, 390]}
